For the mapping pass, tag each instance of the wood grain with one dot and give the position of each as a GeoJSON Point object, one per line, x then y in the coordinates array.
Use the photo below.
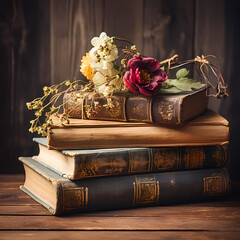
{"type": "Point", "coordinates": [25, 61]}
{"type": "Point", "coordinates": [109, 235]}
{"type": "Point", "coordinates": [194, 211]}
{"type": "Point", "coordinates": [42, 42]}
{"type": "Point", "coordinates": [118, 223]}
{"type": "Point", "coordinates": [23, 218]}
{"type": "Point", "coordinates": [205, 40]}
{"type": "Point", "coordinates": [73, 24]}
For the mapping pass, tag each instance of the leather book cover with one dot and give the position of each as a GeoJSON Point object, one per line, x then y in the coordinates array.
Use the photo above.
{"type": "Point", "coordinates": [168, 109]}
{"type": "Point", "coordinates": [124, 161]}
{"type": "Point", "coordinates": [123, 191]}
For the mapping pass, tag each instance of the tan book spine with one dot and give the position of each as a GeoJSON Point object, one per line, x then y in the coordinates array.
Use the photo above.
{"type": "Point", "coordinates": [210, 129]}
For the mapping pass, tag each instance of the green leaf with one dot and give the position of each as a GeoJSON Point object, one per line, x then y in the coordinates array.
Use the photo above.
{"type": "Point", "coordinates": [170, 90]}
{"type": "Point", "coordinates": [186, 84]}
{"type": "Point", "coordinates": [181, 84]}
{"type": "Point", "coordinates": [182, 73]}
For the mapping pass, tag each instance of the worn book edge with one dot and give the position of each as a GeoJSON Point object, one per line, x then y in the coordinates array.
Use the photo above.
{"type": "Point", "coordinates": [208, 118]}
{"type": "Point", "coordinates": [160, 159]}
{"type": "Point", "coordinates": [210, 188]}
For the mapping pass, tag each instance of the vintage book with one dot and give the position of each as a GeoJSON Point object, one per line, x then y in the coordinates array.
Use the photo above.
{"type": "Point", "coordinates": [208, 129]}
{"type": "Point", "coordinates": [170, 109]}
{"type": "Point", "coordinates": [60, 195]}
{"type": "Point", "coordinates": [79, 164]}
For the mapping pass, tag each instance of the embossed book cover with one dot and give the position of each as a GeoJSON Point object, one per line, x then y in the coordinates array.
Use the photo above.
{"type": "Point", "coordinates": [169, 109]}
{"type": "Point", "coordinates": [60, 195]}
{"type": "Point", "coordinates": [79, 164]}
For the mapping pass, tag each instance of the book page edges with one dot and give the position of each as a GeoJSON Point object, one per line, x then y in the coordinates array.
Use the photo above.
{"type": "Point", "coordinates": [61, 162]}
{"type": "Point", "coordinates": [48, 175]}
{"type": "Point", "coordinates": [33, 196]}
{"type": "Point", "coordinates": [208, 118]}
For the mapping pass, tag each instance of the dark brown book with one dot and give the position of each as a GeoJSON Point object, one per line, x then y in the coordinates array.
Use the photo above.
{"type": "Point", "coordinates": [60, 195]}
{"type": "Point", "coordinates": [168, 109]}
{"type": "Point", "coordinates": [208, 129]}
{"type": "Point", "coordinates": [80, 164]}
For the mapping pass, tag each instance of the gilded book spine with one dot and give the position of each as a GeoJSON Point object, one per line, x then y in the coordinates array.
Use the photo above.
{"type": "Point", "coordinates": [142, 190]}
{"type": "Point", "coordinates": [158, 109]}
{"type": "Point", "coordinates": [60, 195]}
{"type": "Point", "coordinates": [146, 160]}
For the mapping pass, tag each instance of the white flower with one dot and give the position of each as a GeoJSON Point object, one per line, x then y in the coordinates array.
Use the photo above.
{"type": "Point", "coordinates": [103, 52]}
{"type": "Point", "coordinates": [107, 81]}
{"type": "Point", "coordinates": [97, 41]}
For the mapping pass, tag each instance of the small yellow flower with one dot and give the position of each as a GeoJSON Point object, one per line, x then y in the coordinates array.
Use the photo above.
{"type": "Point", "coordinates": [39, 130]}
{"type": "Point", "coordinates": [85, 67]}
{"type": "Point", "coordinates": [52, 108]}
{"type": "Point", "coordinates": [29, 105]}
{"type": "Point", "coordinates": [44, 134]}
{"type": "Point", "coordinates": [38, 113]}
{"type": "Point", "coordinates": [31, 130]}
{"type": "Point", "coordinates": [133, 48]}
{"type": "Point", "coordinates": [124, 62]}
{"type": "Point", "coordinates": [67, 83]}
{"type": "Point", "coordinates": [46, 90]}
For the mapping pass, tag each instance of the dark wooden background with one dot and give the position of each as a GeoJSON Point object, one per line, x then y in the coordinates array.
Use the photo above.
{"type": "Point", "coordinates": [42, 42]}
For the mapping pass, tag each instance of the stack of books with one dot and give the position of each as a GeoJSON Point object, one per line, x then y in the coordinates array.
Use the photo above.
{"type": "Point", "coordinates": [94, 164]}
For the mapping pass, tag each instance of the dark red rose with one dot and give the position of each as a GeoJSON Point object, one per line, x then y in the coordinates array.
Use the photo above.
{"type": "Point", "coordinates": [144, 76]}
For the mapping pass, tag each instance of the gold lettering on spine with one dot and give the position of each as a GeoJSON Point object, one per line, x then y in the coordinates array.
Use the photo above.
{"type": "Point", "coordinates": [157, 191]}
{"type": "Point", "coordinates": [146, 190]}
{"type": "Point", "coordinates": [134, 193]}
{"type": "Point", "coordinates": [167, 110]}
{"type": "Point", "coordinates": [75, 198]}
{"type": "Point", "coordinates": [214, 186]}
{"type": "Point", "coordinates": [140, 161]}
{"type": "Point", "coordinates": [220, 155]}
{"type": "Point", "coordinates": [194, 157]}
{"type": "Point", "coordinates": [165, 158]}
{"type": "Point", "coordinates": [138, 110]}
{"type": "Point", "coordinates": [86, 197]}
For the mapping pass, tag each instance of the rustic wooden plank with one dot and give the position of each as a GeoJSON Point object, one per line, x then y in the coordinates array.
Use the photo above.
{"type": "Point", "coordinates": [230, 107]}
{"type": "Point", "coordinates": [14, 196]}
{"type": "Point", "coordinates": [9, 178]}
{"type": "Point", "coordinates": [24, 47]}
{"type": "Point", "coordinates": [127, 25]}
{"type": "Point", "coordinates": [24, 210]}
{"type": "Point", "coordinates": [12, 185]}
{"type": "Point", "coordinates": [107, 235]}
{"type": "Point", "coordinates": [118, 223]}
{"type": "Point", "coordinates": [168, 28]}
{"type": "Point", "coordinates": [73, 25]}
{"type": "Point", "coordinates": [201, 211]}
{"type": "Point", "coordinates": [209, 29]}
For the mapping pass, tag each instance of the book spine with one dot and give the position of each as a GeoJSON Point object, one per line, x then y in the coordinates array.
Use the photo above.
{"type": "Point", "coordinates": [126, 108]}
{"type": "Point", "coordinates": [146, 160]}
{"type": "Point", "coordinates": [143, 190]}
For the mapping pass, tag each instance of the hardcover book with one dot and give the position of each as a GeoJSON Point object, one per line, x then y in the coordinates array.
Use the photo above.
{"type": "Point", "coordinates": [79, 164]}
{"type": "Point", "coordinates": [208, 129]}
{"type": "Point", "coordinates": [60, 195]}
{"type": "Point", "coordinates": [170, 109]}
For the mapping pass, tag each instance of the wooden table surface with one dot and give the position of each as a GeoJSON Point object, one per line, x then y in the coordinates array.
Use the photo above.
{"type": "Point", "coordinates": [23, 218]}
